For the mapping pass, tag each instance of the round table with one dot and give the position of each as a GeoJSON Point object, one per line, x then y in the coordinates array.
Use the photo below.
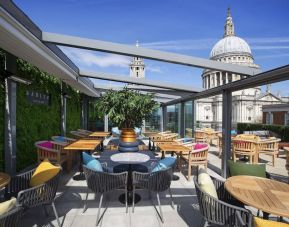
{"type": "Point", "coordinates": [268, 195]}
{"type": "Point", "coordinates": [4, 179]}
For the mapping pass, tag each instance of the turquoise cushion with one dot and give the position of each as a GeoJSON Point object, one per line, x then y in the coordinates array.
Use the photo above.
{"type": "Point", "coordinates": [115, 130]}
{"type": "Point", "coordinates": [91, 162]}
{"type": "Point", "coordinates": [233, 132]}
{"type": "Point", "coordinates": [164, 164]}
{"type": "Point", "coordinates": [238, 168]}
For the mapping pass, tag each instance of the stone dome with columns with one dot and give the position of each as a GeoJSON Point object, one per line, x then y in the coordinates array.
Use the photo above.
{"type": "Point", "coordinates": [230, 49]}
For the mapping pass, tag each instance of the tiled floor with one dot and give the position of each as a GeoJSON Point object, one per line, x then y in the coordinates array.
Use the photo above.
{"type": "Point", "coordinates": [70, 201]}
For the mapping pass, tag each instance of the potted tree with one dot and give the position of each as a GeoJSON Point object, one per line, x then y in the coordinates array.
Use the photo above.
{"type": "Point", "coordinates": [127, 109]}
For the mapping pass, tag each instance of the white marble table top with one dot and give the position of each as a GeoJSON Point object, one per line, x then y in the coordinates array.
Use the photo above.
{"type": "Point", "coordinates": [130, 158]}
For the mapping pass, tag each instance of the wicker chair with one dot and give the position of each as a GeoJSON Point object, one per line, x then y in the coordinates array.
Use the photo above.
{"type": "Point", "coordinates": [55, 154]}
{"type": "Point", "coordinates": [29, 197]}
{"type": "Point", "coordinates": [103, 182]}
{"type": "Point", "coordinates": [158, 181]}
{"type": "Point", "coordinates": [195, 158]}
{"type": "Point", "coordinates": [245, 148]}
{"type": "Point", "coordinates": [11, 218]}
{"type": "Point", "coordinates": [219, 211]}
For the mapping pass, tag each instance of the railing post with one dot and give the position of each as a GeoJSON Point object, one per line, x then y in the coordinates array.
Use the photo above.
{"type": "Point", "coordinates": [226, 132]}
{"type": "Point", "coordinates": [193, 117]}
{"type": "Point", "coordinates": [182, 120]}
{"type": "Point", "coordinates": [164, 118]}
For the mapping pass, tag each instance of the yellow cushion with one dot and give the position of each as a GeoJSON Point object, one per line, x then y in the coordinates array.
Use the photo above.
{"type": "Point", "coordinates": [206, 183]}
{"type": "Point", "coordinates": [7, 206]}
{"type": "Point", "coordinates": [259, 222]}
{"type": "Point", "coordinates": [43, 173]}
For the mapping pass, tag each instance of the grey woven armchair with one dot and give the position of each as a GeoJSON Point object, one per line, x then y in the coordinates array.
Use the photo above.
{"type": "Point", "coordinates": [158, 181]}
{"type": "Point", "coordinates": [11, 218]}
{"type": "Point", "coordinates": [218, 211]}
{"type": "Point", "coordinates": [103, 182]}
{"type": "Point", "coordinates": [29, 197]}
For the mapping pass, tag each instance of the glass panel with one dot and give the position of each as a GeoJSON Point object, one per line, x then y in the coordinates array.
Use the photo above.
{"type": "Point", "coordinates": [188, 119]}
{"type": "Point", "coordinates": [95, 123]}
{"type": "Point", "coordinates": [173, 118]}
{"type": "Point", "coordinates": [154, 123]}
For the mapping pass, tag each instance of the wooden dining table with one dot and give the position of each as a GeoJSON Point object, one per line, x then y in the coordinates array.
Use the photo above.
{"type": "Point", "coordinates": [270, 196]}
{"type": "Point", "coordinates": [4, 179]}
{"type": "Point", "coordinates": [79, 146]}
{"type": "Point", "coordinates": [99, 134]}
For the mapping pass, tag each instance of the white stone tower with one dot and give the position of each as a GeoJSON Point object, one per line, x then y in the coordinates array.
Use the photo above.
{"type": "Point", "coordinates": [137, 66]}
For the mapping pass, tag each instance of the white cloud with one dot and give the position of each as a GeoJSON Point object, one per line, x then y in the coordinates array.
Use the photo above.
{"type": "Point", "coordinates": [88, 58]}
{"type": "Point", "coordinates": [154, 69]}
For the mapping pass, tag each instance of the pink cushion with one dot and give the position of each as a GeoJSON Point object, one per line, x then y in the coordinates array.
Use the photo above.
{"type": "Point", "coordinates": [47, 144]}
{"type": "Point", "coordinates": [200, 146]}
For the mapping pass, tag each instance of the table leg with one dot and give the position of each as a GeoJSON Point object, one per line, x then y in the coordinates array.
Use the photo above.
{"type": "Point", "coordinates": [137, 197]}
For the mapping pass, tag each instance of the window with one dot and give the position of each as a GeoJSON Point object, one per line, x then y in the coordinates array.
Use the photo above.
{"type": "Point", "coordinates": [207, 117]}
{"type": "Point", "coordinates": [136, 68]}
{"type": "Point", "coordinates": [287, 118]}
{"type": "Point", "coordinates": [269, 118]}
{"type": "Point", "coordinates": [249, 118]}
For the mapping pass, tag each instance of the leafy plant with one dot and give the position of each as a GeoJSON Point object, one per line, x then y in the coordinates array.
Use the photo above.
{"type": "Point", "coordinates": [126, 108]}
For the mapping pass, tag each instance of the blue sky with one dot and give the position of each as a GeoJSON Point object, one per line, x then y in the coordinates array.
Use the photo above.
{"type": "Point", "coordinates": [181, 26]}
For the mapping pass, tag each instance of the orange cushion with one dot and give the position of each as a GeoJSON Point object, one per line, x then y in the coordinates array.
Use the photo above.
{"type": "Point", "coordinates": [43, 173]}
{"type": "Point", "coordinates": [259, 222]}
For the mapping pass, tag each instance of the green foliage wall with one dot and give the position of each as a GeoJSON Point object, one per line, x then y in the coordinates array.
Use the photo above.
{"type": "Point", "coordinates": [38, 122]}
{"type": "Point", "coordinates": [281, 131]}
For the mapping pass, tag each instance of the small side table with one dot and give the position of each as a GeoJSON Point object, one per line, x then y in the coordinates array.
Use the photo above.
{"type": "Point", "coordinates": [4, 179]}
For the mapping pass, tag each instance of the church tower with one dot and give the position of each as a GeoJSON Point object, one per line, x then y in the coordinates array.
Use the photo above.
{"type": "Point", "coordinates": [229, 26]}
{"type": "Point", "coordinates": [137, 66]}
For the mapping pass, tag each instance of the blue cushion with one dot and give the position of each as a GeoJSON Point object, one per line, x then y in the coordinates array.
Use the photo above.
{"type": "Point", "coordinates": [164, 164]}
{"type": "Point", "coordinates": [60, 139]}
{"type": "Point", "coordinates": [91, 162]}
{"type": "Point", "coordinates": [115, 131]}
{"type": "Point", "coordinates": [233, 132]}
{"type": "Point", "coordinates": [187, 140]}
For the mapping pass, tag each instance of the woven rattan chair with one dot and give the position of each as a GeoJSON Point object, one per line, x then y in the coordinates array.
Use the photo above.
{"type": "Point", "coordinates": [29, 197]}
{"type": "Point", "coordinates": [157, 182]}
{"type": "Point", "coordinates": [219, 211]}
{"type": "Point", "coordinates": [53, 151]}
{"type": "Point", "coordinates": [103, 182]}
{"type": "Point", "coordinates": [195, 158]}
{"type": "Point", "coordinates": [11, 218]}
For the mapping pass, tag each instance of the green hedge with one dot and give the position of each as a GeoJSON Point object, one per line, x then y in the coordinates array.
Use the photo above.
{"type": "Point", "coordinates": [38, 122]}
{"type": "Point", "coordinates": [281, 130]}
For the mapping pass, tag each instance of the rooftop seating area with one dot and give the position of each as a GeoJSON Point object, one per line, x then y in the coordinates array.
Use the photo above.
{"type": "Point", "coordinates": [75, 152]}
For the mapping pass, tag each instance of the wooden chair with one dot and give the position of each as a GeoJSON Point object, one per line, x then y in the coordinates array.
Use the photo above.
{"type": "Point", "coordinates": [195, 158]}
{"type": "Point", "coordinates": [200, 137]}
{"type": "Point", "coordinates": [269, 147]}
{"type": "Point", "coordinates": [245, 148]}
{"type": "Point", "coordinates": [63, 139]}
{"type": "Point", "coordinates": [78, 135]}
{"type": "Point", "coordinates": [53, 151]}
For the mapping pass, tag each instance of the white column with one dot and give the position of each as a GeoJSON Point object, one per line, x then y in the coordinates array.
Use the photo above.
{"type": "Point", "coordinates": [227, 80]}
{"type": "Point", "coordinates": [215, 76]}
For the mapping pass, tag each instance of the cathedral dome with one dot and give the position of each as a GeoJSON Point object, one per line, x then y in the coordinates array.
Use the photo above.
{"type": "Point", "coordinates": [230, 44]}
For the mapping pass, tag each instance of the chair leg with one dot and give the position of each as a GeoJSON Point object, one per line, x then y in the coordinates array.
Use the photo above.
{"type": "Point", "coordinates": [273, 159]}
{"type": "Point", "coordinates": [85, 202]}
{"type": "Point", "coordinates": [99, 208]}
{"type": "Point", "coordinates": [126, 207]}
{"type": "Point", "coordinates": [171, 198]}
{"type": "Point", "coordinates": [160, 207]}
{"type": "Point", "coordinates": [55, 213]}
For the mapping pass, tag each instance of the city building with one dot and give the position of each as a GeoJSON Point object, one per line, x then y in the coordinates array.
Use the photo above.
{"type": "Point", "coordinates": [246, 104]}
